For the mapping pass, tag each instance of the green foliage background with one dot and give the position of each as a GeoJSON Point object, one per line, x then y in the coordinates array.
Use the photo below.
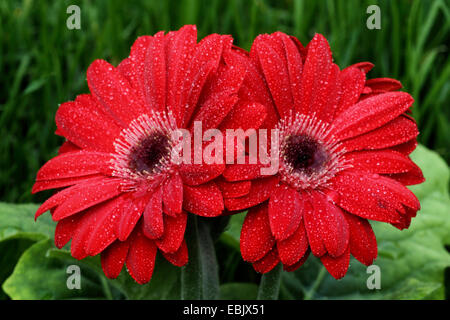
{"type": "Point", "coordinates": [43, 64]}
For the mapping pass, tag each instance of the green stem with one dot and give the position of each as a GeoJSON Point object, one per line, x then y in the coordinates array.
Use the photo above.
{"type": "Point", "coordinates": [210, 269]}
{"type": "Point", "coordinates": [310, 294]}
{"type": "Point", "coordinates": [200, 277]}
{"type": "Point", "coordinates": [270, 284]}
{"type": "Point", "coordinates": [106, 288]}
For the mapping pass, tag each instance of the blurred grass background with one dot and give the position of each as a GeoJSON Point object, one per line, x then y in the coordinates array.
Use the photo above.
{"type": "Point", "coordinates": [43, 64]}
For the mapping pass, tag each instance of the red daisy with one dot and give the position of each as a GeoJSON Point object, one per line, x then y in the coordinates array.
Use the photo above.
{"type": "Point", "coordinates": [343, 158]}
{"type": "Point", "coordinates": [122, 195]}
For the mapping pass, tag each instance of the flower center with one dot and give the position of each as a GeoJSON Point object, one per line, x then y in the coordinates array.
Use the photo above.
{"type": "Point", "coordinates": [309, 155]}
{"type": "Point", "coordinates": [143, 151]}
{"type": "Point", "coordinates": [304, 154]}
{"type": "Point", "coordinates": [148, 155]}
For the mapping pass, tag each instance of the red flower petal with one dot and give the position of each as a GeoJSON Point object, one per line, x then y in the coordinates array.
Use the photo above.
{"type": "Point", "coordinates": [205, 60]}
{"type": "Point", "coordinates": [84, 124]}
{"type": "Point", "coordinates": [316, 72]}
{"type": "Point", "coordinates": [327, 109]}
{"type": "Point", "coordinates": [137, 60]}
{"type": "Point", "coordinates": [78, 244]}
{"type": "Point", "coordinates": [198, 84]}
{"type": "Point", "coordinates": [179, 47]}
{"type": "Point", "coordinates": [174, 228]}
{"type": "Point", "coordinates": [153, 226]}
{"type": "Point", "coordinates": [254, 89]}
{"type": "Point", "coordinates": [292, 249]}
{"type": "Point", "coordinates": [125, 68]}
{"type": "Point", "coordinates": [381, 161]}
{"type": "Point", "coordinates": [75, 164]}
{"type": "Point", "coordinates": [68, 146]}
{"type": "Point", "coordinates": [173, 195]}
{"type": "Point", "coordinates": [285, 211]}
{"type": "Point", "coordinates": [131, 212]}
{"type": "Point", "coordinates": [113, 258]}
{"type": "Point", "coordinates": [333, 228]}
{"type": "Point", "coordinates": [267, 263]}
{"type": "Point", "coordinates": [300, 48]}
{"type": "Point", "coordinates": [294, 64]}
{"type": "Point", "coordinates": [260, 191]}
{"type": "Point", "coordinates": [337, 267]}
{"type": "Point", "coordinates": [65, 230]}
{"type": "Point", "coordinates": [313, 227]}
{"type": "Point", "coordinates": [363, 244]}
{"type": "Point", "coordinates": [221, 94]}
{"type": "Point", "coordinates": [405, 219]}
{"type": "Point", "coordinates": [64, 195]}
{"type": "Point", "coordinates": [245, 171]}
{"type": "Point", "coordinates": [95, 230]}
{"type": "Point", "coordinates": [352, 82]}
{"type": "Point", "coordinates": [379, 85]}
{"type": "Point", "coordinates": [363, 66]}
{"type": "Point", "coordinates": [406, 148]}
{"type": "Point", "coordinates": [275, 71]}
{"type": "Point", "coordinates": [91, 194]}
{"type": "Point", "coordinates": [395, 132]}
{"type": "Point", "coordinates": [413, 176]}
{"type": "Point", "coordinates": [53, 184]}
{"type": "Point", "coordinates": [298, 264]}
{"type": "Point", "coordinates": [405, 196]}
{"type": "Point", "coordinates": [372, 196]}
{"type": "Point", "coordinates": [256, 238]}
{"type": "Point", "coordinates": [155, 74]}
{"type": "Point", "coordinates": [371, 113]}
{"type": "Point", "coordinates": [178, 258]}
{"type": "Point", "coordinates": [141, 258]}
{"type": "Point", "coordinates": [233, 189]}
{"type": "Point", "coordinates": [245, 116]}
{"type": "Point", "coordinates": [101, 221]}
{"type": "Point", "coordinates": [196, 174]}
{"type": "Point", "coordinates": [114, 93]}
{"type": "Point", "coordinates": [204, 200]}
{"type": "Point", "coordinates": [214, 110]}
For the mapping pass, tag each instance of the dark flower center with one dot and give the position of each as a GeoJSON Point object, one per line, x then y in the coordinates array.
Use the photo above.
{"type": "Point", "coordinates": [150, 152]}
{"type": "Point", "coordinates": [304, 154]}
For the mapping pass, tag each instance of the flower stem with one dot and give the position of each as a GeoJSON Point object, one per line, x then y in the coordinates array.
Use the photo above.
{"type": "Point", "coordinates": [106, 288]}
{"type": "Point", "coordinates": [310, 294]}
{"type": "Point", "coordinates": [200, 277]}
{"type": "Point", "coordinates": [270, 284]}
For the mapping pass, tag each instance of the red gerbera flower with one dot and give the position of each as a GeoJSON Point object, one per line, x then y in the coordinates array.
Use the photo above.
{"type": "Point", "coordinates": [343, 160]}
{"type": "Point", "coordinates": [123, 197]}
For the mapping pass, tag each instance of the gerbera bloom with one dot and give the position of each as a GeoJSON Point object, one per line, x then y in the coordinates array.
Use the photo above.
{"type": "Point", "coordinates": [122, 195]}
{"type": "Point", "coordinates": [343, 158]}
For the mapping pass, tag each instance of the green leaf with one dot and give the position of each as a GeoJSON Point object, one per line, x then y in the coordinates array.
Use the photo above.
{"type": "Point", "coordinates": [11, 251]}
{"type": "Point", "coordinates": [165, 283]}
{"type": "Point", "coordinates": [233, 231]}
{"type": "Point", "coordinates": [411, 262]}
{"type": "Point", "coordinates": [436, 173]}
{"type": "Point", "coordinates": [18, 231]}
{"type": "Point", "coordinates": [17, 221]}
{"type": "Point", "coordinates": [38, 276]}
